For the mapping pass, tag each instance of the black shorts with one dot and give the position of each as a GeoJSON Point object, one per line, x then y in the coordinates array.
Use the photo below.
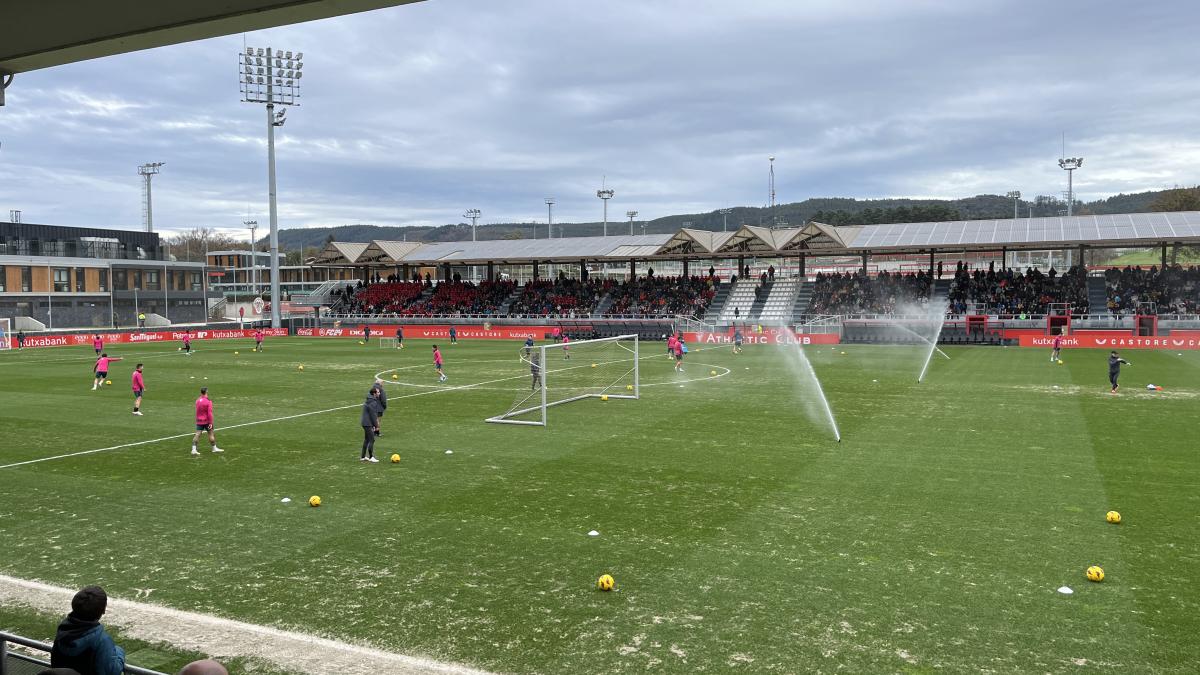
{"type": "Point", "coordinates": [137, 393]}
{"type": "Point", "coordinates": [101, 374]}
{"type": "Point", "coordinates": [203, 427]}
{"type": "Point", "coordinates": [679, 357]}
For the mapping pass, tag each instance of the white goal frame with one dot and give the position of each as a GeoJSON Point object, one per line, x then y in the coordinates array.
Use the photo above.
{"type": "Point", "coordinates": [7, 341]}
{"type": "Point", "coordinates": [543, 352]}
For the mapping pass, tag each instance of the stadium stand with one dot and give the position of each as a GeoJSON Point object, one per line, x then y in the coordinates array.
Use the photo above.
{"type": "Point", "coordinates": [662, 296]}
{"type": "Point", "coordinates": [562, 297]}
{"type": "Point", "coordinates": [1009, 292]}
{"type": "Point", "coordinates": [863, 294]}
{"type": "Point", "coordinates": [1173, 290]}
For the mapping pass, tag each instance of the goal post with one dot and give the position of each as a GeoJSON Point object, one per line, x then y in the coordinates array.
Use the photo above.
{"type": "Point", "coordinates": [606, 368]}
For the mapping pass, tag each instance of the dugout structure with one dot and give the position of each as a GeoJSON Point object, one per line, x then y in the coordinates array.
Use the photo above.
{"type": "Point", "coordinates": [605, 368]}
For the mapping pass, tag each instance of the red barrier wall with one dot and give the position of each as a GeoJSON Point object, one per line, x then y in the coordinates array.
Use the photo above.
{"type": "Point", "coordinates": [1116, 340]}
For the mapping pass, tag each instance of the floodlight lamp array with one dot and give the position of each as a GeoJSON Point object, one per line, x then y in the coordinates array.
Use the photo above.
{"type": "Point", "coordinates": [266, 76]}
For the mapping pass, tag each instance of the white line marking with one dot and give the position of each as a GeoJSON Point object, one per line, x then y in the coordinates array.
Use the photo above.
{"type": "Point", "coordinates": [226, 638]}
{"type": "Point", "coordinates": [304, 414]}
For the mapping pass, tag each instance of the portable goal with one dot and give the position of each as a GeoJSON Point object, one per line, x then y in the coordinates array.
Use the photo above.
{"type": "Point", "coordinates": [7, 341]}
{"type": "Point", "coordinates": [572, 371]}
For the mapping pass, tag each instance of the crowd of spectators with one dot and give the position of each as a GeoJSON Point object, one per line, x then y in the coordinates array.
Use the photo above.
{"type": "Point", "coordinates": [1010, 292]}
{"type": "Point", "coordinates": [462, 297]}
{"type": "Point", "coordinates": [662, 296]}
{"type": "Point", "coordinates": [859, 293]}
{"type": "Point", "coordinates": [562, 297]}
{"type": "Point", "coordinates": [1173, 290]}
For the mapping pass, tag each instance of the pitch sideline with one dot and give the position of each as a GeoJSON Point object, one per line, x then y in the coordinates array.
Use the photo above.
{"type": "Point", "coordinates": [226, 638]}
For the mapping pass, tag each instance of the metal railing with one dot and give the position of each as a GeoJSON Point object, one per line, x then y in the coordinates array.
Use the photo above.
{"type": "Point", "coordinates": [6, 655]}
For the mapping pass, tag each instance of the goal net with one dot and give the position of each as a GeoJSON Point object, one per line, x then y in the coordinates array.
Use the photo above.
{"type": "Point", "coordinates": [7, 340]}
{"type": "Point", "coordinates": [573, 371]}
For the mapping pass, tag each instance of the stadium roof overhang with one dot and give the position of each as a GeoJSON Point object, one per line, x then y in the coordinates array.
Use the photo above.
{"type": "Point", "coordinates": [50, 33]}
{"type": "Point", "coordinates": [813, 239]}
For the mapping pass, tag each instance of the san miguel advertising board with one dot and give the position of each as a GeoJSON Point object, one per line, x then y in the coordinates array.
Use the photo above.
{"type": "Point", "coordinates": [1178, 340]}
{"type": "Point", "coordinates": [71, 339]}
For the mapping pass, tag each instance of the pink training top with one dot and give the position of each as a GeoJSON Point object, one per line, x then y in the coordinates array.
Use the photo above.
{"type": "Point", "coordinates": [204, 411]}
{"type": "Point", "coordinates": [102, 364]}
{"type": "Point", "coordinates": [258, 335]}
{"type": "Point", "coordinates": [1057, 341]}
{"type": "Point", "coordinates": [97, 343]}
{"type": "Point", "coordinates": [437, 357]}
{"type": "Point", "coordinates": [187, 339]}
{"type": "Point", "coordinates": [557, 331]}
{"type": "Point", "coordinates": [678, 348]}
{"type": "Point", "coordinates": [138, 384]}
{"type": "Point", "coordinates": [566, 339]}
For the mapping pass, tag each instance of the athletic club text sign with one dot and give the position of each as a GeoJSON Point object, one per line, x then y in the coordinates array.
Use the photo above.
{"type": "Point", "coordinates": [768, 336]}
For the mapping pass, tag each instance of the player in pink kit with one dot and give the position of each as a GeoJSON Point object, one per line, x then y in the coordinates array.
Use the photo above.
{"type": "Point", "coordinates": [258, 339]}
{"type": "Point", "coordinates": [1054, 355]}
{"type": "Point", "coordinates": [671, 346]}
{"type": "Point", "coordinates": [101, 369]}
{"type": "Point", "coordinates": [139, 386]}
{"type": "Point", "coordinates": [437, 364]}
{"type": "Point", "coordinates": [187, 343]}
{"type": "Point", "coordinates": [204, 422]}
{"type": "Point", "coordinates": [566, 340]}
{"type": "Point", "coordinates": [97, 344]}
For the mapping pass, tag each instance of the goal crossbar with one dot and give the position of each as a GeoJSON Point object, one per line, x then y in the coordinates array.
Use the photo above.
{"type": "Point", "coordinates": [602, 392]}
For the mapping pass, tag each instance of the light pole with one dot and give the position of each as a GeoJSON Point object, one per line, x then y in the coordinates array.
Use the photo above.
{"type": "Point", "coordinates": [1069, 164]}
{"type": "Point", "coordinates": [771, 185]}
{"type": "Point", "coordinates": [473, 214]}
{"type": "Point", "coordinates": [271, 78]}
{"type": "Point", "coordinates": [631, 215]}
{"type": "Point", "coordinates": [550, 219]}
{"type": "Point", "coordinates": [148, 171]}
{"type": "Point", "coordinates": [725, 219]}
{"type": "Point", "coordinates": [253, 225]}
{"type": "Point", "coordinates": [605, 194]}
{"type": "Point", "coordinates": [1015, 195]}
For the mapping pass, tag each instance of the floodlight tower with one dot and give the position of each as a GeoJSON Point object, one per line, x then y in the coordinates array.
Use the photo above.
{"type": "Point", "coordinates": [550, 219]}
{"type": "Point", "coordinates": [605, 194]}
{"type": "Point", "coordinates": [253, 225]}
{"type": "Point", "coordinates": [473, 214]}
{"type": "Point", "coordinates": [273, 78]}
{"type": "Point", "coordinates": [631, 215]}
{"type": "Point", "coordinates": [1069, 164]}
{"type": "Point", "coordinates": [148, 171]}
{"type": "Point", "coordinates": [771, 186]}
{"type": "Point", "coordinates": [1015, 195]}
{"type": "Point", "coordinates": [725, 219]}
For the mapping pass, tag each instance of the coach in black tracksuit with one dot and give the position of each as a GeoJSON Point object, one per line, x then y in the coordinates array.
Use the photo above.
{"type": "Point", "coordinates": [382, 402]}
{"type": "Point", "coordinates": [1114, 369]}
{"type": "Point", "coordinates": [370, 423]}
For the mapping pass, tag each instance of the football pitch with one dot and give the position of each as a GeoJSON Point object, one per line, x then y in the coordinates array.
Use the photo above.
{"type": "Point", "coordinates": [742, 537]}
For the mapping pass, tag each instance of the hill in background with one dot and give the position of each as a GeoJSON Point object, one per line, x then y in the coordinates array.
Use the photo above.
{"type": "Point", "coordinates": [832, 210]}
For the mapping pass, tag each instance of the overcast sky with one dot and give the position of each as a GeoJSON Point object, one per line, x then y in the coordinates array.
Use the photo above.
{"type": "Point", "coordinates": [412, 114]}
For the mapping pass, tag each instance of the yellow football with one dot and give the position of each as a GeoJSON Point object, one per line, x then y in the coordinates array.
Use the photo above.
{"type": "Point", "coordinates": [395, 458]}
{"type": "Point", "coordinates": [1113, 517]}
{"type": "Point", "coordinates": [314, 501]}
{"type": "Point", "coordinates": [361, 342]}
{"type": "Point", "coordinates": [301, 367]}
{"type": "Point", "coordinates": [395, 376]}
{"type": "Point", "coordinates": [604, 397]}
{"type": "Point", "coordinates": [629, 387]}
{"type": "Point", "coordinates": [108, 382]}
{"type": "Point", "coordinates": [235, 353]}
{"type": "Point", "coordinates": [1095, 573]}
{"type": "Point", "coordinates": [1060, 362]}
{"type": "Point", "coordinates": [605, 582]}
{"type": "Point", "coordinates": [712, 372]}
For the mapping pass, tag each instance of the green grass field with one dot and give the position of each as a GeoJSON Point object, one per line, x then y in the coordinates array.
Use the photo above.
{"type": "Point", "coordinates": [741, 536]}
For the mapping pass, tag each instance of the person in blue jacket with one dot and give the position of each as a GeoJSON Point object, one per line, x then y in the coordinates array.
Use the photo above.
{"type": "Point", "coordinates": [82, 643]}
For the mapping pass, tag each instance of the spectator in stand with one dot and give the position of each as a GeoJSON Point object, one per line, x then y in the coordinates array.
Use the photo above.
{"type": "Point", "coordinates": [858, 293]}
{"type": "Point", "coordinates": [659, 296]}
{"type": "Point", "coordinates": [771, 273]}
{"type": "Point", "coordinates": [1008, 292]}
{"type": "Point", "coordinates": [1172, 290]}
{"type": "Point", "coordinates": [81, 643]}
